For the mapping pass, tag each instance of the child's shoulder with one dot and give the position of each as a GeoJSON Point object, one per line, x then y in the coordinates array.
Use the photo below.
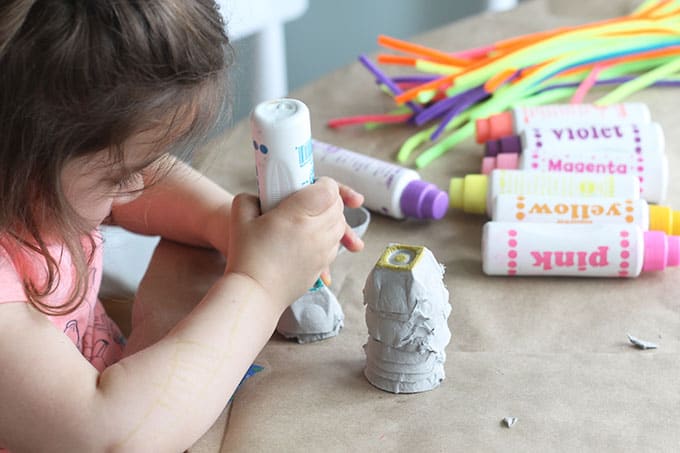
{"type": "Point", "coordinates": [11, 286]}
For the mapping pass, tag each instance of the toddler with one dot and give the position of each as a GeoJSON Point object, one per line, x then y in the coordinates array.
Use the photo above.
{"type": "Point", "coordinates": [101, 102]}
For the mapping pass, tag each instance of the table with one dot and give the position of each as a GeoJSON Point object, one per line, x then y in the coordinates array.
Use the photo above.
{"type": "Point", "coordinates": [551, 352]}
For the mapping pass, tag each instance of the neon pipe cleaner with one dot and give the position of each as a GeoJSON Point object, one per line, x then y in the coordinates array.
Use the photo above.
{"type": "Point", "coordinates": [440, 108]}
{"type": "Point", "coordinates": [432, 54]}
{"type": "Point", "coordinates": [551, 95]}
{"type": "Point", "coordinates": [640, 83]}
{"type": "Point", "coordinates": [473, 54]}
{"type": "Point", "coordinates": [588, 83]}
{"type": "Point", "coordinates": [382, 78]}
{"type": "Point", "coordinates": [396, 59]}
{"type": "Point", "coordinates": [467, 130]}
{"type": "Point", "coordinates": [518, 58]}
{"type": "Point", "coordinates": [408, 116]}
{"type": "Point", "coordinates": [499, 79]}
{"type": "Point", "coordinates": [546, 95]}
{"type": "Point", "coordinates": [454, 89]}
{"type": "Point", "coordinates": [421, 137]}
{"type": "Point", "coordinates": [362, 119]}
{"type": "Point", "coordinates": [672, 81]}
{"type": "Point", "coordinates": [414, 78]}
{"type": "Point", "coordinates": [456, 137]}
{"type": "Point", "coordinates": [472, 97]}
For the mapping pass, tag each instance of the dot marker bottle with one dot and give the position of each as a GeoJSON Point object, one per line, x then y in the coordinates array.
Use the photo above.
{"type": "Point", "coordinates": [388, 189]}
{"type": "Point", "coordinates": [283, 150]}
{"type": "Point", "coordinates": [603, 250]}
{"type": "Point", "coordinates": [585, 211]}
{"type": "Point", "coordinates": [590, 137]}
{"type": "Point", "coordinates": [518, 119]}
{"type": "Point", "coordinates": [648, 164]}
{"type": "Point", "coordinates": [475, 192]}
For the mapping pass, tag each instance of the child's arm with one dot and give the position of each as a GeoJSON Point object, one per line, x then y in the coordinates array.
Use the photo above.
{"type": "Point", "coordinates": [166, 396]}
{"type": "Point", "coordinates": [183, 205]}
{"type": "Point", "coordinates": [187, 207]}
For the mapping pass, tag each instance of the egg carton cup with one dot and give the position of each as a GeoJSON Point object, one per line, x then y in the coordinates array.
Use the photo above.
{"type": "Point", "coordinates": [315, 316]}
{"type": "Point", "coordinates": [399, 292]}
{"type": "Point", "coordinates": [397, 361]}
{"type": "Point", "coordinates": [404, 383]}
{"type": "Point", "coordinates": [416, 334]}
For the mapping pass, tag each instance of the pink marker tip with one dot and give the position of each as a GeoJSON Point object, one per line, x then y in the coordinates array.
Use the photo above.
{"type": "Point", "coordinates": [661, 251]}
{"type": "Point", "coordinates": [488, 164]}
{"type": "Point", "coordinates": [673, 251]}
{"type": "Point", "coordinates": [507, 161]}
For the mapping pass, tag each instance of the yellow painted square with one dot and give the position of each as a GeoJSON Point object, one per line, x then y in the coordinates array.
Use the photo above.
{"type": "Point", "coordinates": [400, 257]}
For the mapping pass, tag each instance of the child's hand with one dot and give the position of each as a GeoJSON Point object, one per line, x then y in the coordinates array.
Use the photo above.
{"type": "Point", "coordinates": [352, 199]}
{"type": "Point", "coordinates": [286, 249]}
{"type": "Point", "coordinates": [350, 240]}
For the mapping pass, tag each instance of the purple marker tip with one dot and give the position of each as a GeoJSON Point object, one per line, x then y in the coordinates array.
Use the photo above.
{"type": "Point", "coordinates": [424, 200]}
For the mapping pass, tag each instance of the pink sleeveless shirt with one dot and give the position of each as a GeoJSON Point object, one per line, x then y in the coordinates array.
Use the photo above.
{"type": "Point", "coordinates": [89, 328]}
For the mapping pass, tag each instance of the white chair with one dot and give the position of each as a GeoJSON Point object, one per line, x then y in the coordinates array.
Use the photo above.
{"type": "Point", "coordinates": [264, 20]}
{"type": "Point", "coordinates": [500, 5]}
{"type": "Point", "coordinates": [126, 258]}
{"type": "Point", "coordinates": [127, 255]}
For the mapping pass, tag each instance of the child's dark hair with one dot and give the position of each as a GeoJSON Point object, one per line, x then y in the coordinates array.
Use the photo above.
{"type": "Point", "coordinates": [81, 76]}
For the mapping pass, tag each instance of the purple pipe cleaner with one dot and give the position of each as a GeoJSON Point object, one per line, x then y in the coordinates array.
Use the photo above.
{"type": "Point", "coordinates": [472, 97]}
{"type": "Point", "coordinates": [382, 78]}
